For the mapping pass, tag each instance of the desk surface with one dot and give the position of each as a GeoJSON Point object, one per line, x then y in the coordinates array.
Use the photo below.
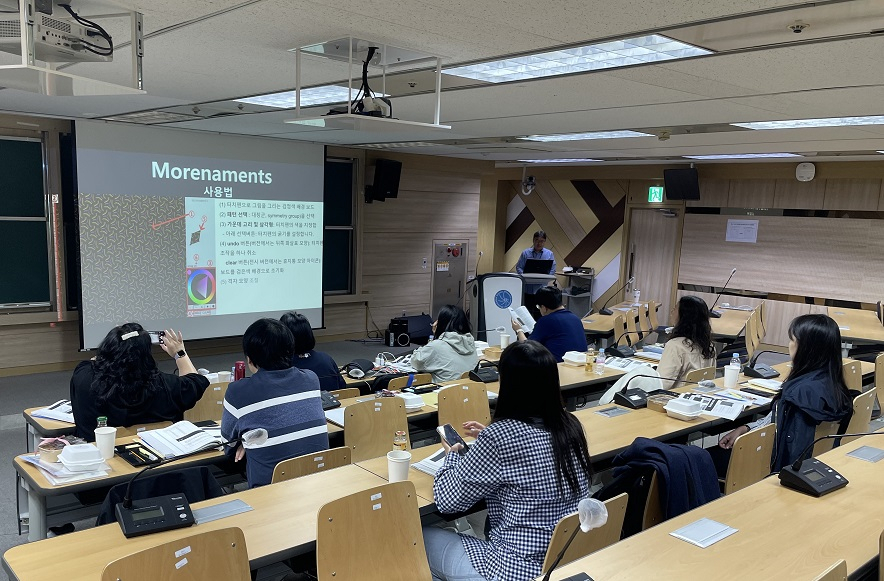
{"type": "Point", "coordinates": [730, 324]}
{"type": "Point", "coordinates": [858, 324]}
{"type": "Point", "coordinates": [600, 324]}
{"type": "Point", "coordinates": [282, 523]}
{"type": "Point", "coordinates": [783, 534]}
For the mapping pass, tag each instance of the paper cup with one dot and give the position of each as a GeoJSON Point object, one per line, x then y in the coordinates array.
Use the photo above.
{"type": "Point", "coordinates": [105, 438]}
{"type": "Point", "coordinates": [504, 340]}
{"type": "Point", "coordinates": [397, 465]}
{"type": "Point", "coordinates": [731, 373]}
{"type": "Point", "coordinates": [223, 376]}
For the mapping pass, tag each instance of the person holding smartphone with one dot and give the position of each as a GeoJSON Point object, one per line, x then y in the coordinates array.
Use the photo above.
{"type": "Point", "coordinates": [531, 465]}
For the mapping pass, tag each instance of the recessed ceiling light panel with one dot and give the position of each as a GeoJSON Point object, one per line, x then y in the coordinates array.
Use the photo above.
{"type": "Point", "coordinates": [586, 136]}
{"type": "Point", "coordinates": [575, 160]}
{"type": "Point", "coordinates": [310, 97]}
{"type": "Point", "coordinates": [741, 156]}
{"type": "Point", "coordinates": [825, 122]}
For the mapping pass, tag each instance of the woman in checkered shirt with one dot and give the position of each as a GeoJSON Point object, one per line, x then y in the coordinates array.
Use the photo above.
{"type": "Point", "coordinates": [531, 466]}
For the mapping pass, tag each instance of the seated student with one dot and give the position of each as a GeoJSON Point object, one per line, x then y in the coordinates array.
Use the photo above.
{"type": "Point", "coordinates": [282, 399]}
{"type": "Point", "coordinates": [123, 383]}
{"type": "Point", "coordinates": [814, 392]}
{"type": "Point", "coordinates": [531, 465]}
{"type": "Point", "coordinates": [452, 352]}
{"type": "Point", "coordinates": [690, 344]}
{"type": "Point", "coordinates": [306, 357]}
{"type": "Point", "coordinates": [558, 329]}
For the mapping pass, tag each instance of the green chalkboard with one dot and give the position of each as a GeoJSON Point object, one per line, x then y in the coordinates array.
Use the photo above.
{"type": "Point", "coordinates": [24, 250]}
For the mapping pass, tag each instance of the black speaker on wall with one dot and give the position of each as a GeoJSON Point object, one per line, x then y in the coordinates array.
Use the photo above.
{"type": "Point", "coordinates": [681, 184]}
{"type": "Point", "coordinates": [386, 180]}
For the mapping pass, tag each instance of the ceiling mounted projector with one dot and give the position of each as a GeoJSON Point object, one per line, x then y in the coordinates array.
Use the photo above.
{"type": "Point", "coordinates": [55, 39]}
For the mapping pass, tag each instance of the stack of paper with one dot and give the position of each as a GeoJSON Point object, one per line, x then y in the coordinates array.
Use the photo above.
{"type": "Point", "coordinates": [60, 411]}
{"type": "Point", "coordinates": [57, 474]}
{"type": "Point", "coordinates": [624, 364]}
{"type": "Point", "coordinates": [178, 439]}
{"type": "Point", "coordinates": [652, 355]}
{"type": "Point", "coordinates": [431, 464]}
{"type": "Point", "coordinates": [703, 533]}
{"type": "Point", "coordinates": [719, 407]}
{"type": "Point", "coordinates": [771, 384]}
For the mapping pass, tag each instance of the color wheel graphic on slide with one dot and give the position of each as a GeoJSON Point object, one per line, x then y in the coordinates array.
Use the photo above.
{"type": "Point", "coordinates": [200, 285]}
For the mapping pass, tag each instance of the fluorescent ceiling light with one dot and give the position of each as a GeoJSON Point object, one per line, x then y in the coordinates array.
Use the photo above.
{"type": "Point", "coordinates": [398, 144]}
{"type": "Point", "coordinates": [881, 152]}
{"type": "Point", "coordinates": [575, 160]}
{"type": "Point", "coordinates": [586, 136]}
{"type": "Point", "coordinates": [309, 97]}
{"type": "Point", "coordinates": [581, 59]}
{"type": "Point", "coordinates": [826, 122]}
{"type": "Point", "coordinates": [741, 156]}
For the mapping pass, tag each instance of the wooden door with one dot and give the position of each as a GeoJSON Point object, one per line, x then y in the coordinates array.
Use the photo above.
{"type": "Point", "coordinates": [651, 256]}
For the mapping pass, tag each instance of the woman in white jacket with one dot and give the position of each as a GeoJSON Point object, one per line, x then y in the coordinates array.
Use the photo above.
{"type": "Point", "coordinates": [452, 352]}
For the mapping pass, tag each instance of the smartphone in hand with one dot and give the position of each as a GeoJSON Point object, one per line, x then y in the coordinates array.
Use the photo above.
{"type": "Point", "coordinates": [451, 437]}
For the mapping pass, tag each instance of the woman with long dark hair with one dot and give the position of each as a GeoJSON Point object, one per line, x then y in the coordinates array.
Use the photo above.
{"type": "Point", "coordinates": [453, 350]}
{"type": "Point", "coordinates": [307, 357]}
{"type": "Point", "coordinates": [690, 344]}
{"type": "Point", "coordinates": [123, 383]}
{"type": "Point", "coordinates": [531, 465]}
{"type": "Point", "coordinates": [814, 391]}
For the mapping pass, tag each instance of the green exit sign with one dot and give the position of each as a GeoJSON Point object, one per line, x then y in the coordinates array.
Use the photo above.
{"type": "Point", "coordinates": [655, 194]}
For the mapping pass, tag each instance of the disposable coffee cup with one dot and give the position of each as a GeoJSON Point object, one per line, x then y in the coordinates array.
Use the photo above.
{"type": "Point", "coordinates": [223, 376]}
{"type": "Point", "coordinates": [731, 373]}
{"type": "Point", "coordinates": [504, 340]}
{"type": "Point", "coordinates": [105, 438]}
{"type": "Point", "coordinates": [397, 465]}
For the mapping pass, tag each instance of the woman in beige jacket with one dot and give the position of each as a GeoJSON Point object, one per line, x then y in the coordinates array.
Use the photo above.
{"type": "Point", "coordinates": [690, 344]}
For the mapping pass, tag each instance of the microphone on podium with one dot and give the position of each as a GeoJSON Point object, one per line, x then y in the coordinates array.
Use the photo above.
{"type": "Point", "coordinates": [592, 514]}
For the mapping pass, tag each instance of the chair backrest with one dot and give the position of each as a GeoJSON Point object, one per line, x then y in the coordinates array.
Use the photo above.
{"type": "Point", "coordinates": [698, 375]}
{"type": "Point", "coordinates": [311, 464]}
{"type": "Point", "coordinates": [372, 535]}
{"type": "Point", "coordinates": [400, 382]}
{"type": "Point", "coordinates": [653, 505]}
{"type": "Point", "coordinates": [213, 554]}
{"type": "Point", "coordinates": [762, 320]}
{"type": "Point", "coordinates": [752, 333]}
{"type": "Point", "coordinates": [210, 406]}
{"type": "Point", "coordinates": [652, 315]}
{"type": "Point", "coordinates": [369, 426]}
{"type": "Point", "coordinates": [465, 375]}
{"type": "Point", "coordinates": [346, 393]}
{"type": "Point", "coordinates": [634, 335]}
{"type": "Point", "coordinates": [825, 429]}
{"type": "Point", "coordinates": [463, 402]}
{"type": "Point", "coordinates": [644, 326]}
{"type": "Point", "coordinates": [134, 430]}
{"type": "Point", "coordinates": [837, 572]}
{"type": "Point", "coordinates": [619, 326]}
{"type": "Point", "coordinates": [590, 542]}
{"type": "Point", "coordinates": [853, 375]}
{"type": "Point", "coordinates": [862, 414]}
{"type": "Point", "coordinates": [750, 458]}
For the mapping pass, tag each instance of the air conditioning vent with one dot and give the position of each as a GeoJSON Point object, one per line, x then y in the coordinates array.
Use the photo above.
{"type": "Point", "coordinates": [57, 24]}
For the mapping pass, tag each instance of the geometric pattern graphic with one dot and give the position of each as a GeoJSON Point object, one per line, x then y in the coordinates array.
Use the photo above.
{"type": "Point", "coordinates": [583, 221]}
{"type": "Point", "coordinates": [131, 271]}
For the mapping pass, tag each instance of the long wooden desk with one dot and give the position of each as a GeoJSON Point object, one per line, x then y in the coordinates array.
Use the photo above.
{"type": "Point", "coordinates": [281, 524]}
{"type": "Point", "coordinates": [857, 325]}
{"type": "Point", "coordinates": [603, 325]}
{"type": "Point", "coordinates": [783, 534]}
{"type": "Point", "coordinates": [730, 324]}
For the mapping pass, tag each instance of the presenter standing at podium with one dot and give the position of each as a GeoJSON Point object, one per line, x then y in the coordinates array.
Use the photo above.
{"type": "Point", "coordinates": [536, 252]}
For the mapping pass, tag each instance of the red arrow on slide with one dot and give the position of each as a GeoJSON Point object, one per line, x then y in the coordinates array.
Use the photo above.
{"type": "Point", "coordinates": [157, 225]}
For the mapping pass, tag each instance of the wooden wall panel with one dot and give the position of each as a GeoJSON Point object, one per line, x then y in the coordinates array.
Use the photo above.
{"type": "Point", "coordinates": [852, 194]}
{"type": "Point", "coordinates": [713, 193]}
{"type": "Point", "coordinates": [655, 240]}
{"type": "Point", "coordinates": [793, 194]}
{"type": "Point", "coordinates": [751, 194]}
{"type": "Point", "coordinates": [423, 212]}
{"type": "Point", "coordinates": [793, 256]}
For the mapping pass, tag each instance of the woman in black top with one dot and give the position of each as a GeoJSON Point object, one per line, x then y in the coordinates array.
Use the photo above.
{"type": "Point", "coordinates": [305, 357]}
{"type": "Point", "coordinates": [123, 383]}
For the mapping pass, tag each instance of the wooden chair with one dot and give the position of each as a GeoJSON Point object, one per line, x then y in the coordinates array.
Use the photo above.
{"type": "Point", "coordinates": [311, 464]}
{"type": "Point", "coordinates": [590, 542]}
{"type": "Point", "coordinates": [652, 316]}
{"type": "Point", "coordinates": [210, 406]}
{"type": "Point", "coordinates": [762, 320]}
{"type": "Point", "coordinates": [862, 414]}
{"type": "Point", "coordinates": [634, 336]}
{"type": "Point", "coordinates": [346, 393]}
{"type": "Point", "coordinates": [752, 334]}
{"type": "Point", "coordinates": [824, 429]}
{"type": "Point", "coordinates": [400, 382]}
{"type": "Point", "coordinates": [214, 554]}
{"type": "Point", "coordinates": [619, 326]}
{"type": "Point", "coordinates": [750, 458]}
{"type": "Point", "coordinates": [369, 426]}
{"type": "Point", "coordinates": [373, 535]}
{"type": "Point", "coordinates": [698, 375]}
{"type": "Point", "coordinates": [853, 375]}
{"type": "Point", "coordinates": [463, 402]}
{"type": "Point", "coordinates": [465, 375]}
{"type": "Point", "coordinates": [653, 505]}
{"type": "Point", "coordinates": [837, 572]}
{"type": "Point", "coordinates": [134, 430]}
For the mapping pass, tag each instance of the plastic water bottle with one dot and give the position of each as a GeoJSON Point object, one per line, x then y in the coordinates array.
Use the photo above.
{"type": "Point", "coordinates": [735, 360]}
{"type": "Point", "coordinates": [600, 363]}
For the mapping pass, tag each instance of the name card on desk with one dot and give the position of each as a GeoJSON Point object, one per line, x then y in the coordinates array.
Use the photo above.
{"type": "Point", "coordinates": [704, 532]}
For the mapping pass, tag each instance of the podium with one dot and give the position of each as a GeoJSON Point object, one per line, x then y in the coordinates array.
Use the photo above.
{"type": "Point", "coordinates": [491, 297]}
{"type": "Point", "coordinates": [537, 281]}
